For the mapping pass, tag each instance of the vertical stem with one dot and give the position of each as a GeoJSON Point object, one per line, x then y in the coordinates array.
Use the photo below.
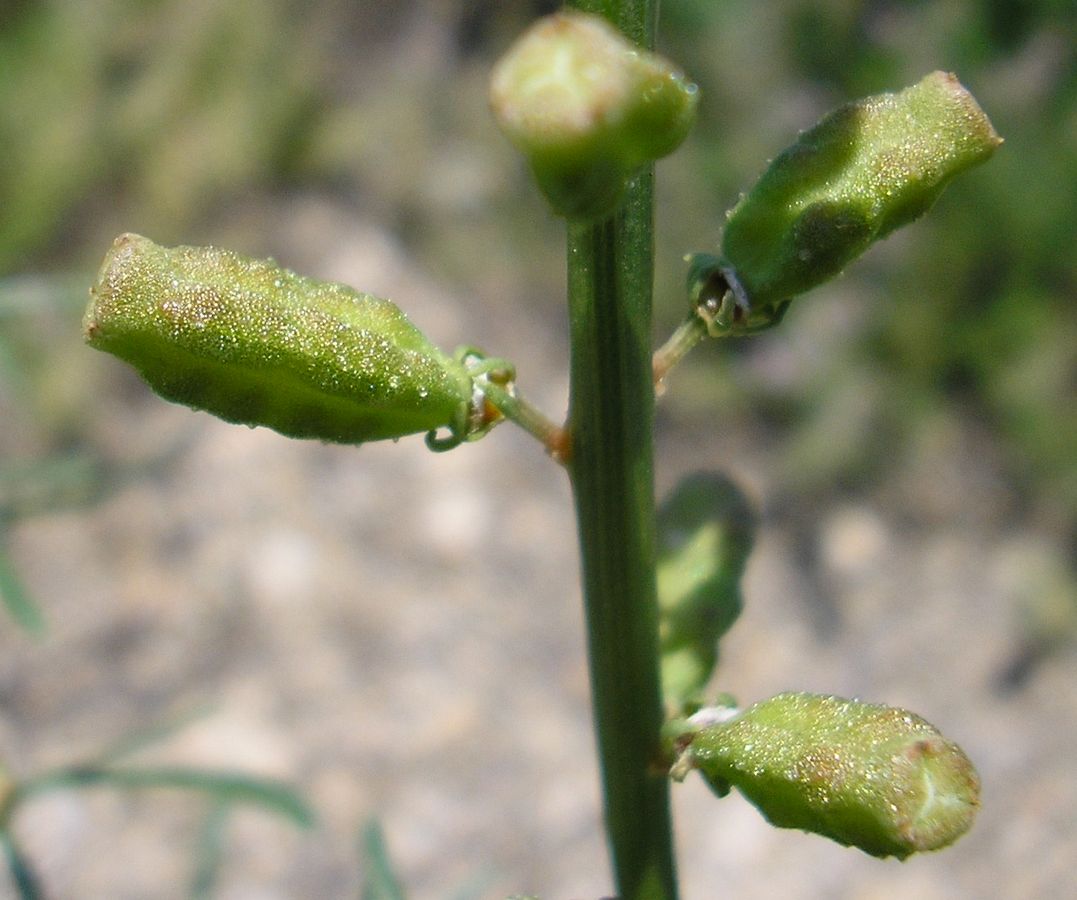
{"type": "Point", "coordinates": [610, 273]}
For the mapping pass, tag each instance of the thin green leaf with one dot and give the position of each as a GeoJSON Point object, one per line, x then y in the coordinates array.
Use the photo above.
{"type": "Point", "coordinates": [154, 733]}
{"type": "Point", "coordinates": [16, 600]}
{"type": "Point", "coordinates": [379, 880]}
{"type": "Point", "coordinates": [26, 883]}
{"type": "Point", "coordinates": [210, 852]}
{"type": "Point", "coordinates": [226, 787]}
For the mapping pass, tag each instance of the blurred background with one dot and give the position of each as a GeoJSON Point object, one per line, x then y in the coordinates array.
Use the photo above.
{"type": "Point", "coordinates": [398, 633]}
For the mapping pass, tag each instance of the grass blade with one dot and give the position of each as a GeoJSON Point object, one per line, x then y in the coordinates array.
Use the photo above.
{"type": "Point", "coordinates": [225, 787]}
{"type": "Point", "coordinates": [16, 600]}
{"type": "Point", "coordinates": [209, 853]}
{"type": "Point", "coordinates": [379, 880]}
{"type": "Point", "coordinates": [26, 883]}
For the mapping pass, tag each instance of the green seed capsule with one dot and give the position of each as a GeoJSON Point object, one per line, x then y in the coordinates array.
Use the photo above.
{"type": "Point", "coordinates": [705, 532]}
{"type": "Point", "coordinates": [868, 776]}
{"type": "Point", "coordinates": [256, 344]}
{"type": "Point", "coordinates": [867, 168]}
{"type": "Point", "coordinates": [588, 108]}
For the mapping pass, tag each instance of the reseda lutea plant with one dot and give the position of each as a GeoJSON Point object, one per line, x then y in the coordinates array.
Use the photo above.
{"type": "Point", "coordinates": [591, 109]}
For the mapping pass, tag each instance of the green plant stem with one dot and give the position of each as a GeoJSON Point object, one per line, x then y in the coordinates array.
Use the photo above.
{"type": "Point", "coordinates": [610, 417]}
{"type": "Point", "coordinates": [611, 411]}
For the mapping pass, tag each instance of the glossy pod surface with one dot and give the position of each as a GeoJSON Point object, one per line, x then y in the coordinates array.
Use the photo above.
{"type": "Point", "coordinates": [257, 344]}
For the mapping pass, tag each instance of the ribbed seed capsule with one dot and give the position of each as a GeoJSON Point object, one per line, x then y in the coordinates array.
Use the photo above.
{"type": "Point", "coordinates": [867, 168]}
{"type": "Point", "coordinates": [256, 344]}
{"type": "Point", "coordinates": [874, 777]}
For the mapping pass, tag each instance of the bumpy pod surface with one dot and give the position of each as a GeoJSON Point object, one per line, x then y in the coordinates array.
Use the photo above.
{"type": "Point", "coordinates": [256, 344]}
{"type": "Point", "coordinates": [874, 777]}
{"type": "Point", "coordinates": [867, 168]}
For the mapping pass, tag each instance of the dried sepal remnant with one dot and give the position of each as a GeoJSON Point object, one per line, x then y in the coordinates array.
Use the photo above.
{"type": "Point", "coordinates": [865, 169]}
{"type": "Point", "coordinates": [588, 108]}
{"type": "Point", "coordinates": [865, 775]}
{"type": "Point", "coordinates": [257, 344]}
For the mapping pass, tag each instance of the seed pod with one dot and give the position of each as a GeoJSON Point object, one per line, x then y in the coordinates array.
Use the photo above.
{"type": "Point", "coordinates": [588, 108]}
{"type": "Point", "coordinates": [705, 532]}
{"type": "Point", "coordinates": [864, 170]}
{"type": "Point", "coordinates": [874, 777]}
{"type": "Point", "coordinates": [256, 344]}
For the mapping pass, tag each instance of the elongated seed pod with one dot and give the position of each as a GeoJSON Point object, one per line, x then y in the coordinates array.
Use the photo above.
{"type": "Point", "coordinates": [870, 776]}
{"type": "Point", "coordinates": [865, 169]}
{"type": "Point", "coordinates": [256, 344]}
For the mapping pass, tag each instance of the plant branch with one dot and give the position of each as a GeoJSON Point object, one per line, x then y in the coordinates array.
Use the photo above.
{"type": "Point", "coordinates": [516, 409]}
{"type": "Point", "coordinates": [689, 333]}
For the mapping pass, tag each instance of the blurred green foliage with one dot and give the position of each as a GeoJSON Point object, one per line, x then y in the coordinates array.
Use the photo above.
{"type": "Point", "coordinates": [706, 527]}
{"type": "Point", "coordinates": [126, 109]}
{"type": "Point", "coordinates": [380, 881]}
{"type": "Point", "coordinates": [225, 789]}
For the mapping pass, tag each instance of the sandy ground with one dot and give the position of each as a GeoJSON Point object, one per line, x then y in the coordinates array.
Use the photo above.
{"type": "Point", "coordinates": [398, 634]}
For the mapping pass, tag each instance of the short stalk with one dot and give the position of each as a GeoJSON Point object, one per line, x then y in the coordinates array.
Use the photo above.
{"type": "Point", "coordinates": [518, 410]}
{"type": "Point", "coordinates": [689, 333]}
